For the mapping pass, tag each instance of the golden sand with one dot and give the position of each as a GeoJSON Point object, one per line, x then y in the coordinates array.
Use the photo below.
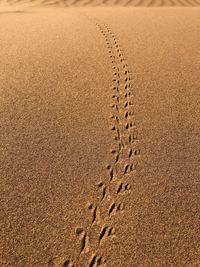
{"type": "Point", "coordinates": [99, 133]}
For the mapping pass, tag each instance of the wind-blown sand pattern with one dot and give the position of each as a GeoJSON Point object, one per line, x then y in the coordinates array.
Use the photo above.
{"type": "Point", "coordinates": [135, 3]}
{"type": "Point", "coordinates": [99, 133]}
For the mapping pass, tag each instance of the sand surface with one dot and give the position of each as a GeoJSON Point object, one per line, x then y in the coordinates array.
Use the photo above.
{"type": "Point", "coordinates": [99, 133]}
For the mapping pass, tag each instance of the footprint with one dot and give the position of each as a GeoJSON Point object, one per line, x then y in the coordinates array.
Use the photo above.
{"type": "Point", "coordinates": [129, 168]}
{"type": "Point", "coordinates": [114, 128]}
{"type": "Point", "coordinates": [126, 104]}
{"type": "Point", "coordinates": [117, 74]}
{"type": "Point", "coordinates": [130, 153]}
{"type": "Point", "coordinates": [111, 172]}
{"type": "Point", "coordinates": [114, 106]}
{"type": "Point", "coordinates": [132, 137]}
{"type": "Point", "coordinates": [100, 261]}
{"type": "Point", "coordinates": [127, 95]}
{"type": "Point", "coordinates": [103, 233]}
{"type": "Point", "coordinates": [131, 113]}
{"type": "Point", "coordinates": [120, 207]}
{"type": "Point", "coordinates": [126, 114]}
{"type": "Point", "coordinates": [96, 261]}
{"type": "Point", "coordinates": [114, 207]}
{"type": "Point", "coordinates": [126, 72]}
{"type": "Point", "coordinates": [104, 190]}
{"type": "Point", "coordinates": [95, 213]}
{"type": "Point", "coordinates": [116, 98]}
{"type": "Point", "coordinates": [116, 154]}
{"type": "Point", "coordinates": [106, 231]}
{"type": "Point", "coordinates": [117, 158]}
{"type": "Point", "coordinates": [126, 169]}
{"type": "Point", "coordinates": [111, 209]}
{"type": "Point", "coordinates": [127, 126]}
{"type": "Point", "coordinates": [122, 187]}
{"type": "Point", "coordinates": [116, 80]}
{"type": "Point", "coordinates": [132, 124]}
{"type": "Point", "coordinates": [137, 152]}
{"type": "Point", "coordinates": [82, 235]}
{"type": "Point", "coordinates": [111, 231]}
{"type": "Point", "coordinates": [116, 118]}
{"type": "Point", "coordinates": [116, 88]}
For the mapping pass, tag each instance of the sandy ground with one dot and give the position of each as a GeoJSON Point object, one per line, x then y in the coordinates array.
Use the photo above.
{"type": "Point", "coordinates": [99, 134]}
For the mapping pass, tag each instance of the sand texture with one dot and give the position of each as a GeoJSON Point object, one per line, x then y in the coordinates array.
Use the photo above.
{"type": "Point", "coordinates": [100, 133]}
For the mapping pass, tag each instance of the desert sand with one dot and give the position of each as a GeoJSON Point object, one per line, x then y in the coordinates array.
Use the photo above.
{"type": "Point", "coordinates": [99, 133]}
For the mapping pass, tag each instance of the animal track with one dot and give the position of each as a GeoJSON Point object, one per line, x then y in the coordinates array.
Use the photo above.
{"type": "Point", "coordinates": [123, 187]}
{"type": "Point", "coordinates": [111, 209]}
{"type": "Point", "coordinates": [123, 157]}
{"type": "Point", "coordinates": [84, 248]}
{"type": "Point", "coordinates": [96, 261]}
{"type": "Point", "coordinates": [106, 231]}
{"type": "Point", "coordinates": [114, 208]}
{"type": "Point", "coordinates": [95, 213]}
{"type": "Point", "coordinates": [103, 188]}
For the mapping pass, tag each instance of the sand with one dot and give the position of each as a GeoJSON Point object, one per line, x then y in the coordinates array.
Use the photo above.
{"type": "Point", "coordinates": [99, 133]}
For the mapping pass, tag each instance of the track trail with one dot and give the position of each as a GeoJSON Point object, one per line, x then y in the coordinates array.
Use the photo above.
{"type": "Point", "coordinates": [122, 166]}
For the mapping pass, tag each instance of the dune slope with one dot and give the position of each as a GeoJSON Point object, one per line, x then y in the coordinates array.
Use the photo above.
{"type": "Point", "coordinates": [99, 136]}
